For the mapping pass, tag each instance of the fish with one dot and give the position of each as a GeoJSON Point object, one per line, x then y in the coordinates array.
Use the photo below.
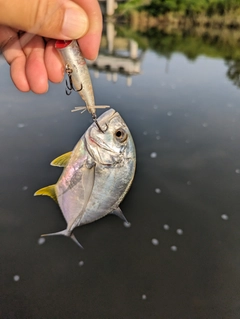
{"type": "Point", "coordinates": [97, 174]}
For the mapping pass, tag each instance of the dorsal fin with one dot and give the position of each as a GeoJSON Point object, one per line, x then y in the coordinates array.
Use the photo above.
{"type": "Point", "coordinates": [62, 160]}
{"type": "Point", "coordinates": [47, 191]}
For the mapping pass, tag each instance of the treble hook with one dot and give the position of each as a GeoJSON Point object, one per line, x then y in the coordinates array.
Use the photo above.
{"type": "Point", "coordinates": [69, 86]}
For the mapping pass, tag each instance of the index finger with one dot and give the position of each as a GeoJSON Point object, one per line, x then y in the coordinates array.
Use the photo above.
{"type": "Point", "coordinates": [90, 42]}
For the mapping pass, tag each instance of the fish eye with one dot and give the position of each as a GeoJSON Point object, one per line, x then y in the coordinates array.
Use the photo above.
{"type": "Point", "coordinates": [121, 135]}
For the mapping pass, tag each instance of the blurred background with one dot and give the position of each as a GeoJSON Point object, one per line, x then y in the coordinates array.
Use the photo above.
{"type": "Point", "coordinates": [172, 70]}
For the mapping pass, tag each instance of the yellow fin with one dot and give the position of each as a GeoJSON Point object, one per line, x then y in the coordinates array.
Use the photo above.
{"type": "Point", "coordinates": [48, 191]}
{"type": "Point", "coordinates": [62, 160]}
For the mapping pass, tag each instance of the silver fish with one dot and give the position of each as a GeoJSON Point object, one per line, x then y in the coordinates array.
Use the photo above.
{"type": "Point", "coordinates": [97, 175]}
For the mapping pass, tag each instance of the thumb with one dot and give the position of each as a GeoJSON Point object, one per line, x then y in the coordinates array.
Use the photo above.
{"type": "Point", "coordinates": [58, 19]}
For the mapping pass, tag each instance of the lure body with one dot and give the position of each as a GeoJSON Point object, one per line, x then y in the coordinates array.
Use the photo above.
{"type": "Point", "coordinates": [77, 71]}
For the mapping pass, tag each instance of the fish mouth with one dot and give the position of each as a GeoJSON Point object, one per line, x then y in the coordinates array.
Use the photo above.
{"type": "Point", "coordinates": [102, 121]}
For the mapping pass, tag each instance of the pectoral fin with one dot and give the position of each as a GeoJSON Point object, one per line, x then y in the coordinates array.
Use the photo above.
{"type": "Point", "coordinates": [47, 191]}
{"type": "Point", "coordinates": [62, 160]}
{"type": "Point", "coordinates": [118, 212]}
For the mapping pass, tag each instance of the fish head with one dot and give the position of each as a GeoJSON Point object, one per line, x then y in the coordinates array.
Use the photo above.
{"type": "Point", "coordinates": [114, 144]}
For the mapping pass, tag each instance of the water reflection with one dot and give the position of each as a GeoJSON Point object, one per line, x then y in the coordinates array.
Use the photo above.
{"type": "Point", "coordinates": [118, 55]}
{"type": "Point", "coordinates": [123, 47]}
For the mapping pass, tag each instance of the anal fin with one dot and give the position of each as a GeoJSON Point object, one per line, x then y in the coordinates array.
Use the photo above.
{"type": "Point", "coordinates": [47, 191]}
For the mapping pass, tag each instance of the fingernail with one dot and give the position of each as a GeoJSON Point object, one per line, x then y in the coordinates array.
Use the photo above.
{"type": "Point", "coordinates": [75, 22]}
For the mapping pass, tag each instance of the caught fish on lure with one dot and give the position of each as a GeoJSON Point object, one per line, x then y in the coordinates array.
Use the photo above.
{"type": "Point", "coordinates": [97, 174]}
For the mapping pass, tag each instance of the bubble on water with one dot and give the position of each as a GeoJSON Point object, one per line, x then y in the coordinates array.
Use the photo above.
{"type": "Point", "coordinates": [179, 231]}
{"type": "Point", "coordinates": [155, 107]}
{"type": "Point", "coordinates": [21, 125]}
{"type": "Point", "coordinates": [158, 137]}
{"type": "Point", "coordinates": [24, 188]}
{"type": "Point", "coordinates": [145, 133]}
{"type": "Point", "coordinates": [16, 278]}
{"type": "Point", "coordinates": [173, 248]}
{"type": "Point", "coordinates": [169, 113]}
{"type": "Point", "coordinates": [224, 217]}
{"type": "Point", "coordinates": [81, 263]}
{"type": "Point", "coordinates": [155, 241]}
{"type": "Point", "coordinates": [127, 224]}
{"type": "Point", "coordinates": [153, 155]}
{"type": "Point", "coordinates": [166, 227]}
{"type": "Point", "coordinates": [41, 241]}
{"type": "Point", "coordinates": [237, 170]}
{"type": "Point", "coordinates": [205, 124]}
{"type": "Point", "coordinates": [144, 297]}
{"type": "Point", "coordinates": [189, 183]}
{"type": "Point", "coordinates": [187, 141]}
{"type": "Point", "coordinates": [157, 190]}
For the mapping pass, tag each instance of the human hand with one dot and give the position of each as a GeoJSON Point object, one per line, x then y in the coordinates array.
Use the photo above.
{"type": "Point", "coordinates": [31, 54]}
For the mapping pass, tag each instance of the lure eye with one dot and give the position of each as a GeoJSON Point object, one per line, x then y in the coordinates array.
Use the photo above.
{"type": "Point", "coordinates": [121, 135]}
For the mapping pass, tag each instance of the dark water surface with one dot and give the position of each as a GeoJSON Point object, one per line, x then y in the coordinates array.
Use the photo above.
{"type": "Point", "coordinates": [181, 256]}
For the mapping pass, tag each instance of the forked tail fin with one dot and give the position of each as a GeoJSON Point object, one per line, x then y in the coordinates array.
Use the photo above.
{"type": "Point", "coordinates": [66, 233]}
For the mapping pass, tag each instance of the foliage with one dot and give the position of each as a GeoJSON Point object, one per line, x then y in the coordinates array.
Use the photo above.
{"type": "Point", "coordinates": [190, 7]}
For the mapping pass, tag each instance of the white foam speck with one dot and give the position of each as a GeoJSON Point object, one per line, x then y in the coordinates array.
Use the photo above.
{"type": "Point", "coordinates": [158, 137]}
{"type": "Point", "coordinates": [179, 231]}
{"type": "Point", "coordinates": [81, 263]}
{"type": "Point", "coordinates": [41, 241]}
{"type": "Point", "coordinates": [157, 190]}
{"type": "Point", "coordinates": [166, 227]}
{"type": "Point", "coordinates": [204, 124]}
{"type": "Point", "coordinates": [127, 224]}
{"type": "Point", "coordinates": [169, 113]}
{"type": "Point", "coordinates": [25, 188]}
{"type": "Point", "coordinates": [224, 217]}
{"type": "Point", "coordinates": [174, 248]}
{"type": "Point", "coordinates": [21, 125]}
{"type": "Point", "coordinates": [153, 155]}
{"type": "Point", "coordinates": [187, 141]}
{"type": "Point", "coordinates": [237, 170]}
{"type": "Point", "coordinates": [144, 297]}
{"type": "Point", "coordinates": [145, 133]}
{"type": "Point", "coordinates": [155, 241]}
{"type": "Point", "coordinates": [189, 183]}
{"type": "Point", "coordinates": [16, 278]}
{"type": "Point", "coordinates": [155, 107]}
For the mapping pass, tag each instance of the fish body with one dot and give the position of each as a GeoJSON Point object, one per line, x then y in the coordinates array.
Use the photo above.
{"type": "Point", "coordinates": [97, 175]}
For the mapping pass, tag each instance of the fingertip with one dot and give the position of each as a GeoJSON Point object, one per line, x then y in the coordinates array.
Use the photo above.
{"type": "Point", "coordinates": [18, 75]}
{"type": "Point", "coordinates": [89, 45]}
{"type": "Point", "coordinates": [53, 63]}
